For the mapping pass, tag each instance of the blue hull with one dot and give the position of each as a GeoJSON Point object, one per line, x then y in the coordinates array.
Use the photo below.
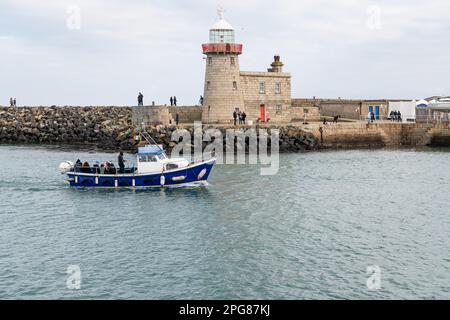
{"type": "Point", "coordinates": [193, 174]}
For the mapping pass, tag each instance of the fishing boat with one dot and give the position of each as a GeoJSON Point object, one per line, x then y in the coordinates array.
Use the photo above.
{"type": "Point", "coordinates": [154, 169]}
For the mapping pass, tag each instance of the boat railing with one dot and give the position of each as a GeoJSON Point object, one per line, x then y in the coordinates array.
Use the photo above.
{"type": "Point", "coordinates": [149, 139]}
{"type": "Point", "coordinates": [110, 171]}
{"type": "Point", "coordinates": [106, 167]}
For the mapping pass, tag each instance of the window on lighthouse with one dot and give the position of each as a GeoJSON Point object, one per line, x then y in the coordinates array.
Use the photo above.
{"type": "Point", "coordinates": [221, 36]}
{"type": "Point", "coordinates": [235, 85]}
{"type": "Point", "coordinates": [233, 61]}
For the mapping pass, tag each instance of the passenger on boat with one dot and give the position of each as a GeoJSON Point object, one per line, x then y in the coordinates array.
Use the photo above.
{"type": "Point", "coordinates": [77, 167]}
{"type": "Point", "coordinates": [110, 168]}
{"type": "Point", "coordinates": [102, 168]}
{"type": "Point", "coordinates": [96, 167]}
{"type": "Point", "coordinates": [121, 163]}
{"type": "Point", "coordinates": [86, 168]}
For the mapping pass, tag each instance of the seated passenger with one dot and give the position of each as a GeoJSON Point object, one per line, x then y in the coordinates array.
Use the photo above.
{"type": "Point", "coordinates": [96, 167]}
{"type": "Point", "coordinates": [102, 169]}
{"type": "Point", "coordinates": [111, 169]}
{"type": "Point", "coordinates": [86, 168]}
{"type": "Point", "coordinates": [77, 167]}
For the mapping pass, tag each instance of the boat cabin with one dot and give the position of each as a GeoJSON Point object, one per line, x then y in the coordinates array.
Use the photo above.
{"type": "Point", "coordinates": [153, 158]}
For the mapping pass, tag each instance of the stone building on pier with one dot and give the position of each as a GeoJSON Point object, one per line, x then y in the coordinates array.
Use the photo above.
{"type": "Point", "coordinates": [263, 96]}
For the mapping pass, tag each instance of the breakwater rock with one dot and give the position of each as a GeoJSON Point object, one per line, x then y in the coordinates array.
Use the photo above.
{"type": "Point", "coordinates": [111, 128]}
{"type": "Point", "coordinates": [290, 138]}
{"type": "Point", "coordinates": [105, 127]}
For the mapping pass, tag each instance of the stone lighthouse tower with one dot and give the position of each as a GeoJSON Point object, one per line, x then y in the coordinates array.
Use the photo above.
{"type": "Point", "coordinates": [222, 91]}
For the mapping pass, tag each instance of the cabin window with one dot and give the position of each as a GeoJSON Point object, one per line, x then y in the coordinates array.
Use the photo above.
{"type": "Point", "coordinates": [262, 87]}
{"type": "Point", "coordinates": [147, 159]}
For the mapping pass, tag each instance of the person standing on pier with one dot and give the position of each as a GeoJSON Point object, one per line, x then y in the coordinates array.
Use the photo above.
{"type": "Point", "coordinates": [11, 102]}
{"type": "Point", "coordinates": [175, 101]}
{"type": "Point", "coordinates": [243, 115]}
{"type": "Point", "coordinates": [14, 103]}
{"type": "Point", "coordinates": [171, 101]}
{"type": "Point", "coordinates": [201, 100]}
{"type": "Point", "coordinates": [234, 116]}
{"type": "Point", "coordinates": [140, 99]}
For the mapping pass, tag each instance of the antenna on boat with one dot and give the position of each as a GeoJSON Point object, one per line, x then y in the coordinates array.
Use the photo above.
{"type": "Point", "coordinates": [149, 139]}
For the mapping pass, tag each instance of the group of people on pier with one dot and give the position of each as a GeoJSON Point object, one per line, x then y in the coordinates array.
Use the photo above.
{"type": "Point", "coordinates": [173, 101]}
{"type": "Point", "coordinates": [370, 117]}
{"type": "Point", "coordinates": [239, 117]}
{"type": "Point", "coordinates": [395, 116]}
{"type": "Point", "coordinates": [12, 102]}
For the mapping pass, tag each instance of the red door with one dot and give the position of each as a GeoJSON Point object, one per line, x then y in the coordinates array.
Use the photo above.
{"type": "Point", "coordinates": [262, 113]}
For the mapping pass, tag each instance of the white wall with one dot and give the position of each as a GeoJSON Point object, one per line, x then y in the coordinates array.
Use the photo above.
{"type": "Point", "coordinates": [407, 109]}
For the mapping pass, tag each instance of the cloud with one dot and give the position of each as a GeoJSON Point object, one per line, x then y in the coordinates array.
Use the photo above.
{"type": "Point", "coordinates": [154, 46]}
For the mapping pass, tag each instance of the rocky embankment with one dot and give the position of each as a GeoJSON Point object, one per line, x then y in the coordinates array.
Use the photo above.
{"type": "Point", "coordinates": [107, 128]}
{"type": "Point", "coordinates": [291, 138]}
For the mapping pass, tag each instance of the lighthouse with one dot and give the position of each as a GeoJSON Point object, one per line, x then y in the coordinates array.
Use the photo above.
{"type": "Point", "coordinates": [222, 89]}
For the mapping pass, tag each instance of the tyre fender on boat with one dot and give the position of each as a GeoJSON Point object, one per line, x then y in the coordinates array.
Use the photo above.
{"type": "Point", "coordinates": [162, 180]}
{"type": "Point", "coordinates": [201, 174]}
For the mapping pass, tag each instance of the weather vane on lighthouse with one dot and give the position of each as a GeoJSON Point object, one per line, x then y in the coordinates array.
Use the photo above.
{"type": "Point", "coordinates": [221, 13]}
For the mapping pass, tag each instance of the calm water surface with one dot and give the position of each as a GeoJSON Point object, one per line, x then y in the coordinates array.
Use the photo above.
{"type": "Point", "coordinates": [309, 232]}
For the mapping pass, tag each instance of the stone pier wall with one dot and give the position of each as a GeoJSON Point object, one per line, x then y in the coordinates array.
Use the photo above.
{"type": "Point", "coordinates": [111, 128]}
{"type": "Point", "coordinates": [188, 114]}
{"type": "Point", "coordinates": [165, 115]}
{"type": "Point", "coordinates": [363, 135]}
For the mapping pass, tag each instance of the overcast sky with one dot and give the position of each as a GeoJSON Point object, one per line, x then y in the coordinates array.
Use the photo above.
{"type": "Point", "coordinates": [344, 48]}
